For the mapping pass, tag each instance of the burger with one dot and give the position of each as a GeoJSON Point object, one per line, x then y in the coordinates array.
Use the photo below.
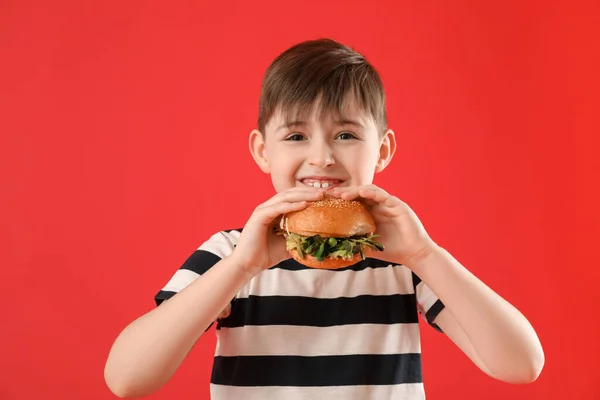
{"type": "Point", "coordinates": [330, 233]}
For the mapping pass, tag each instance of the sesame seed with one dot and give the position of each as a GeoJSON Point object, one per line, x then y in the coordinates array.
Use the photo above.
{"type": "Point", "coordinates": [335, 202]}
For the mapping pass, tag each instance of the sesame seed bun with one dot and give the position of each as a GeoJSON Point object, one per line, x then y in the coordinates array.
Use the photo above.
{"type": "Point", "coordinates": [331, 217]}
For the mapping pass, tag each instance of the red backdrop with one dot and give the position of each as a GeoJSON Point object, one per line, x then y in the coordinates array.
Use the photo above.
{"type": "Point", "coordinates": [124, 145]}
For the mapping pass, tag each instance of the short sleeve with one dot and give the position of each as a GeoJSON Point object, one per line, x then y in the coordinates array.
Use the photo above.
{"type": "Point", "coordinates": [428, 304]}
{"type": "Point", "coordinates": [217, 247]}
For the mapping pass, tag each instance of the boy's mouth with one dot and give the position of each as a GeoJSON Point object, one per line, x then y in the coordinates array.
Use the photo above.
{"type": "Point", "coordinates": [321, 183]}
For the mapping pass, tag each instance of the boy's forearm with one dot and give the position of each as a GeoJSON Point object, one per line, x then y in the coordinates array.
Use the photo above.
{"type": "Point", "coordinates": [501, 336]}
{"type": "Point", "coordinates": [149, 351]}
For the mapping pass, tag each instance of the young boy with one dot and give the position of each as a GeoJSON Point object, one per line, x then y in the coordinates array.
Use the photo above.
{"type": "Point", "coordinates": [290, 332]}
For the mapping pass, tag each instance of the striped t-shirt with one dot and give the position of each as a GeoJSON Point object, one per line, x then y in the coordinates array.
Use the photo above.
{"type": "Point", "coordinates": [300, 333]}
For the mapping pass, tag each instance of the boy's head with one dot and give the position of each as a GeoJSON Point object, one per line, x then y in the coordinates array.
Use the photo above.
{"type": "Point", "coordinates": [322, 118]}
{"type": "Point", "coordinates": [321, 71]}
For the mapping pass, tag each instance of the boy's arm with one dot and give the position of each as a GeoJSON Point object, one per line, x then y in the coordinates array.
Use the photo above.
{"type": "Point", "coordinates": [149, 351]}
{"type": "Point", "coordinates": [488, 329]}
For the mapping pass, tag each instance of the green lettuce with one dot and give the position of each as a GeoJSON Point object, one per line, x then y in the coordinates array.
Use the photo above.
{"type": "Point", "coordinates": [321, 248]}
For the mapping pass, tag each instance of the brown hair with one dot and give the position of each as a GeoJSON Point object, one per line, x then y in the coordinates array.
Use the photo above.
{"type": "Point", "coordinates": [322, 71]}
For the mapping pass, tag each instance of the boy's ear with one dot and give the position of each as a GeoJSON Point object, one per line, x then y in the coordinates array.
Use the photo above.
{"type": "Point", "coordinates": [256, 143]}
{"type": "Point", "coordinates": [387, 149]}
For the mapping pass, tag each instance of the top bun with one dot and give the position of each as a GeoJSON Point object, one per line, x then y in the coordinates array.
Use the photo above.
{"type": "Point", "coordinates": [330, 217]}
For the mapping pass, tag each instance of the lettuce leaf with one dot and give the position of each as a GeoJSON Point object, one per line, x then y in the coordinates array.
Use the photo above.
{"type": "Point", "coordinates": [321, 248]}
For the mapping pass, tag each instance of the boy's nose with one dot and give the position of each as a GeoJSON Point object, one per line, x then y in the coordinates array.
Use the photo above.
{"type": "Point", "coordinates": [320, 156]}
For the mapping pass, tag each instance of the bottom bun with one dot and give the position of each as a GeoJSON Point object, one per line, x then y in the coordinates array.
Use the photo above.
{"type": "Point", "coordinates": [327, 263]}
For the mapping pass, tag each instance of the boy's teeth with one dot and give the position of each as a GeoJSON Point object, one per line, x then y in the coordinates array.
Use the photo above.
{"type": "Point", "coordinates": [320, 184]}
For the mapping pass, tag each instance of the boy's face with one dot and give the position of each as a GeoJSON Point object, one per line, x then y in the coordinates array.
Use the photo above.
{"type": "Point", "coordinates": [323, 153]}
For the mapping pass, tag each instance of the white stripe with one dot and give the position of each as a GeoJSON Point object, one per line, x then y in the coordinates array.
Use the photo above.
{"type": "Point", "coordinates": [413, 391]}
{"type": "Point", "coordinates": [316, 341]}
{"type": "Point", "coordinates": [326, 284]}
{"type": "Point", "coordinates": [221, 243]}
{"type": "Point", "coordinates": [180, 279]}
{"type": "Point", "coordinates": [425, 296]}
{"type": "Point", "coordinates": [234, 236]}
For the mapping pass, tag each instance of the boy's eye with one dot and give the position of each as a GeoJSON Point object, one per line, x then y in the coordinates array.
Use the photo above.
{"type": "Point", "coordinates": [295, 137]}
{"type": "Point", "coordinates": [346, 136]}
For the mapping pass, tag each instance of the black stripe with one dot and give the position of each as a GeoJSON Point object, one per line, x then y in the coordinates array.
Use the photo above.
{"type": "Point", "coordinates": [433, 312]}
{"type": "Point", "coordinates": [416, 280]}
{"type": "Point", "coordinates": [307, 311]}
{"type": "Point", "coordinates": [201, 261]}
{"type": "Point", "coordinates": [293, 265]}
{"type": "Point", "coordinates": [387, 369]}
{"type": "Point", "coordinates": [162, 296]}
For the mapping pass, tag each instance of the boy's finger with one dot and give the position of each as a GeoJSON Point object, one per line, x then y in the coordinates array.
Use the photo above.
{"type": "Point", "coordinates": [268, 214]}
{"type": "Point", "coordinates": [353, 190]}
{"type": "Point", "coordinates": [347, 193]}
{"type": "Point", "coordinates": [368, 192]}
{"type": "Point", "coordinates": [377, 195]}
{"type": "Point", "coordinates": [301, 194]}
{"type": "Point", "coordinates": [380, 196]}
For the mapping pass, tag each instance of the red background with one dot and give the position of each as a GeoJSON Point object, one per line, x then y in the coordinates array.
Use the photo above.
{"type": "Point", "coordinates": [124, 145]}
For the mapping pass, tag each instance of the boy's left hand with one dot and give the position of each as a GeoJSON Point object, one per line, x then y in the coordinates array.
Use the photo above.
{"type": "Point", "coordinates": [401, 232]}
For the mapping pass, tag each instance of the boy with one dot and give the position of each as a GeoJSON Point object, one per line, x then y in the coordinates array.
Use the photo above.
{"type": "Point", "coordinates": [290, 332]}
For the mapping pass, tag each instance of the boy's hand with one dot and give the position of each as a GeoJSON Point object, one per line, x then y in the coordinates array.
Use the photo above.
{"type": "Point", "coordinates": [259, 247]}
{"type": "Point", "coordinates": [401, 232]}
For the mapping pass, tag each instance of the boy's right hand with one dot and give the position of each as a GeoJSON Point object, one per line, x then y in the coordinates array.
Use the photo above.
{"type": "Point", "coordinates": [260, 248]}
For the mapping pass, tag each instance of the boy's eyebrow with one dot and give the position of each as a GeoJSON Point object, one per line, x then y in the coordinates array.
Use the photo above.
{"type": "Point", "coordinates": [290, 124]}
{"type": "Point", "coordinates": [348, 121]}
{"type": "Point", "coordinates": [344, 121]}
